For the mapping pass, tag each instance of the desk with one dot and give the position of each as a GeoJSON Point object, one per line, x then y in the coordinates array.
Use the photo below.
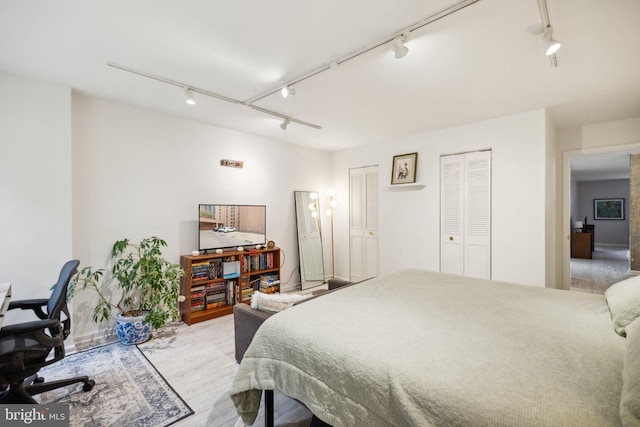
{"type": "Point", "coordinates": [5, 299]}
{"type": "Point", "coordinates": [591, 229]}
{"type": "Point", "coordinates": [581, 245]}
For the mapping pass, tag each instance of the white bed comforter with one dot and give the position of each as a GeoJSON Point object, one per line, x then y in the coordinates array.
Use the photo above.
{"type": "Point", "coordinates": [418, 348]}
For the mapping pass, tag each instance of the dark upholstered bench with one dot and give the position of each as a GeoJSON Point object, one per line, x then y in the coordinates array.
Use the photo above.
{"type": "Point", "coordinates": [247, 320]}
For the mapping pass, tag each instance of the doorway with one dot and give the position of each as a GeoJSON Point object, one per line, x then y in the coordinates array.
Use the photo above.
{"type": "Point", "coordinates": [591, 175]}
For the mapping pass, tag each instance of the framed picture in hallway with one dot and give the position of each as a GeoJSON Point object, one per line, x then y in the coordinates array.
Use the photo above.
{"type": "Point", "coordinates": [608, 208]}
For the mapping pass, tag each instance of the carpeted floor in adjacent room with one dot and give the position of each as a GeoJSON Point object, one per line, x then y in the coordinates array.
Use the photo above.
{"type": "Point", "coordinates": [609, 265]}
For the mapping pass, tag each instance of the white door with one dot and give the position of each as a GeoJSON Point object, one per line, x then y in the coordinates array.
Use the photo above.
{"type": "Point", "coordinates": [363, 223]}
{"type": "Point", "coordinates": [451, 213]}
{"type": "Point", "coordinates": [465, 214]}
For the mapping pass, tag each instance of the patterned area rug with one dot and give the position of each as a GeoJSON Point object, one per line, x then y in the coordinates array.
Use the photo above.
{"type": "Point", "coordinates": [129, 391]}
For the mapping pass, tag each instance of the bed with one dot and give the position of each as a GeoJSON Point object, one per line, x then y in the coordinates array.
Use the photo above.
{"type": "Point", "coordinates": [420, 348]}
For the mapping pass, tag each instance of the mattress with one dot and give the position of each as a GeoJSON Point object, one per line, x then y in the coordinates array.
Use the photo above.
{"type": "Point", "coordinates": [420, 348]}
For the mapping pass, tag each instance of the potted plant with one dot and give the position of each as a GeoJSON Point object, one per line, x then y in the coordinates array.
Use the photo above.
{"type": "Point", "coordinates": [139, 285]}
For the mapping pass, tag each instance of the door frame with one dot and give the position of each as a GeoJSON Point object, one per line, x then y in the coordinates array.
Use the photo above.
{"type": "Point", "coordinates": [633, 148]}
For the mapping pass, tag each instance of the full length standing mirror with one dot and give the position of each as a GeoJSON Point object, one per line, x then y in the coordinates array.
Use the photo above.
{"type": "Point", "coordinates": [309, 238]}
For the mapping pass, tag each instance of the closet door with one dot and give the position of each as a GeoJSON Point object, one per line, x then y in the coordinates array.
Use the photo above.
{"type": "Point", "coordinates": [465, 214]}
{"type": "Point", "coordinates": [363, 223]}
{"type": "Point", "coordinates": [477, 215]}
{"type": "Point", "coordinates": [451, 214]}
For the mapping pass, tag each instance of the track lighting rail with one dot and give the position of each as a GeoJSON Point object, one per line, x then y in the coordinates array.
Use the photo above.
{"type": "Point", "coordinates": [362, 51]}
{"type": "Point", "coordinates": [211, 94]}
{"type": "Point", "coordinates": [395, 37]}
{"type": "Point", "coordinates": [548, 32]}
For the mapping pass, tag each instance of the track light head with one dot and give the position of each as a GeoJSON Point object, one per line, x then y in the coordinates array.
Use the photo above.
{"type": "Point", "coordinates": [189, 94]}
{"type": "Point", "coordinates": [284, 124]}
{"type": "Point", "coordinates": [286, 91]}
{"type": "Point", "coordinates": [398, 46]}
{"type": "Point", "coordinates": [551, 46]}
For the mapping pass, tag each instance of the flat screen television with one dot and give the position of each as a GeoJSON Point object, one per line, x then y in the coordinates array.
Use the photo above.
{"type": "Point", "coordinates": [228, 226]}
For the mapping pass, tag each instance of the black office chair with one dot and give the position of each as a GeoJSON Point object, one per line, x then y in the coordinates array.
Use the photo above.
{"type": "Point", "coordinates": [26, 347]}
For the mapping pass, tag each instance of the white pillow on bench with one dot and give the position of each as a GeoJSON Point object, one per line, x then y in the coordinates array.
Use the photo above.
{"type": "Point", "coordinates": [274, 303]}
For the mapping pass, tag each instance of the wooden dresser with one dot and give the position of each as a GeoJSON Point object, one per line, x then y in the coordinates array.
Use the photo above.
{"type": "Point", "coordinates": [581, 245]}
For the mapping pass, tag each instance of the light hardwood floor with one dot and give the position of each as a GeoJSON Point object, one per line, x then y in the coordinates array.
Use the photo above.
{"type": "Point", "coordinates": [198, 361]}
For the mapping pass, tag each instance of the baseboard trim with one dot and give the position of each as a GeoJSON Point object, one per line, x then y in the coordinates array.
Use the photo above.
{"type": "Point", "coordinates": [289, 288]}
{"type": "Point", "coordinates": [615, 245]}
{"type": "Point", "coordinates": [91, 340]}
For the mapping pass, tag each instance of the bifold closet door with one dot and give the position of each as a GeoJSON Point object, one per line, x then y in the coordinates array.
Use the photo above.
{"type": "Point", "coordinates": [451, 213]}
{"type": "Point", "coordinates": [465, 214]}
{"type": "Point", "coordinates": [363, 223]}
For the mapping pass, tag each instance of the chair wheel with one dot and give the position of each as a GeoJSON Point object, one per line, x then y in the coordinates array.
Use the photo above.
{"type": "Point", "coordinates": [38, 380]}
{"type": "Point", "coordinates": [89, 385]}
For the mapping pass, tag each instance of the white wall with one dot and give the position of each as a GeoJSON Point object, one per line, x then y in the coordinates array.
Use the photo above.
{"type": "Point", "coordinates": [137, 173]}
{"type": "Point", "coordinates": [78, 173]}
{"type": "Point", "coordinates": [614, 232]}
{"type": "Point", "coordinates": [409, 220]}
{"type": "Point", "coordinates": [35, 186]}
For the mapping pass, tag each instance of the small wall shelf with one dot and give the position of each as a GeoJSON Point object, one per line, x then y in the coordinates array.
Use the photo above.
{"type": "Point", "coordinates": [405, 187]}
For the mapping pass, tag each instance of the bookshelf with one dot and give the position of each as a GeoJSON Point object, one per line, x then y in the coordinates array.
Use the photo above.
{"type": "Point", "coordinates": [214, 283]}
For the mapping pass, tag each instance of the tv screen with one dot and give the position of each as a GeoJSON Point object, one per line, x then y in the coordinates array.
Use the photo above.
{"type": "Point", "coordinates": [227, 226]}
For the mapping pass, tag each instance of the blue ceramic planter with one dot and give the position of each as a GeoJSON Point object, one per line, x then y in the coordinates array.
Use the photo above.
{"type": "Point", "coordinates": [132, 330]}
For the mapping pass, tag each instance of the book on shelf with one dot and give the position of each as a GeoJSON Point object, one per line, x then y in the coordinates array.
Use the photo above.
{"type": "Point", "coordinates": [215, 269]}
{"type": "Point", "coordinates": [197, 303]}
{"type": "Point", "coordinates": [246, 294]}
{"type": "Point", "coordinates": [211, 305]}
{"type": "Point", "coordinates": [246, 290]}
{"type": "Point", "coordinates": [212, 287]}
{"type": "Point", "coordinates": [197, 291]}
{"type": "Point", "coordinates": [217, 295]}
{"type": "Point", "coordinates": [256, 262]}
{"type": "Point", "coordinates": [232, 292]}
{"type": "Point", "coordinates": [269, 283]}
{"type": "Point", "coordinates": [206, 270]}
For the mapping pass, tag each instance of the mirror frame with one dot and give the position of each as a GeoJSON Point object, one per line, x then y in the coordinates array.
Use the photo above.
{"type": "Point", "coordinates": [309, 232]}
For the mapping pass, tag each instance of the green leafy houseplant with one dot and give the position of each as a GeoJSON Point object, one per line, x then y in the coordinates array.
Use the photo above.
{"type": "Point", "coordinates": [138, 281]}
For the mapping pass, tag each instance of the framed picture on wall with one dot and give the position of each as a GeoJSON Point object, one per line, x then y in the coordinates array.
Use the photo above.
{"type": "Point", "coordinates": [404, 167]}
{"type": "Point", "coordinates": [608, 208]}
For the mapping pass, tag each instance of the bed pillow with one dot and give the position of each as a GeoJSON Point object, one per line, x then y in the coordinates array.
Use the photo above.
{"type": "Point", "coordinates": [630, 397]}
{"type": "Point", "coordinates": [274, 303]}
{"type": "Point", "coordinates": [623, 299]}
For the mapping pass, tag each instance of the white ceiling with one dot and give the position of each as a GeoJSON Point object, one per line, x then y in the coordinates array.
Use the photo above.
{"type": "Point", "coordinates": [479, 63]}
